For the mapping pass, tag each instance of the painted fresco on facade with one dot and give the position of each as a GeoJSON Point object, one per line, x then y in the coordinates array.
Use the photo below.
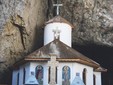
{"type": "Point", "coordinates": [66, 75]}
{"type": "Point", "coordinates": [39, 74]}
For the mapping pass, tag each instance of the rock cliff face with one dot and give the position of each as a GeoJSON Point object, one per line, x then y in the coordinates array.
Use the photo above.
{"type": "Point", "coordinates": [92, 19]}
{"type": "Point", "coordinates": [21, 22]}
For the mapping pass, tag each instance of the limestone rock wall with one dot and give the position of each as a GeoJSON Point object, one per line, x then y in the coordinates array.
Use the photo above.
{"type": "Point", "coordinates": [19, 20]}
{"type": "Point", "coordinates": [92, 19]}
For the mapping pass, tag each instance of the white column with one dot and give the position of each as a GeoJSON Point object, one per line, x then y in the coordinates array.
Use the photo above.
{"type": "Point", "coordinates": [59, 78]}
{"type": "Point", "coordinates": [98, 78]}
{"type": "Point", "coordinates": [89, 77]}
{"type": "Point", "coordinates": [45, 76]}
{"type": "Point", "coordinates": [14, 78]}
{"type": "Point", "coordinates": [21, 76]}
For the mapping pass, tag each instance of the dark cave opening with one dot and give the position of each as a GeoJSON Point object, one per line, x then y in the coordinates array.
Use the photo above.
{"type": "Point", "coordinates": [101, 54]}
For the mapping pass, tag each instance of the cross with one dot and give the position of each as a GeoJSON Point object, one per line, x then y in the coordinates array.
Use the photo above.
{"type": "Point", "coordinates": [57, 5]}
{"type": "Point", "coordinates": [56, 33]}
{"type": "Point", "coordinates": [53, 64]}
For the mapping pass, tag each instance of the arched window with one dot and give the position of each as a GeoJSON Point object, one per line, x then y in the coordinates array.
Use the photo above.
{"type": "Point", "coordinates": [39, 74]}
{"type": "Point", "coordinates": [66, 75]}
{"type": "Point", "coordinates": [24, 74]}
{"type": "Point", "coordinates": [84, 75]}
{"type": "Point", "coordinates": [94, 79]}
{"type": "Point", "coordinates": [18, 79]}
{"type": "Point", "coordinates": [48, 74]}
{"type": "Point", "coordinates": [56, 75]}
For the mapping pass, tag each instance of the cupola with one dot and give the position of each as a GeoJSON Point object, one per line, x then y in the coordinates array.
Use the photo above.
{"type": "Point", "coordinates": [58, 28]}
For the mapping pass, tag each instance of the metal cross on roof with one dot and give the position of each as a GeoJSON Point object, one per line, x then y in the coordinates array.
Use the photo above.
{"type": "Point", "coordinates": [58, 7]}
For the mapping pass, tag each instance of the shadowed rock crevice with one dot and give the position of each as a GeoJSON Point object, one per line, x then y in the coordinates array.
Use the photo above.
{"type": "Point", "coordinates": [18, 22]}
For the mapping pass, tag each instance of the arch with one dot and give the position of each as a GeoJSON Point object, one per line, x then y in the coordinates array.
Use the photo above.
{"type": "Point", "coordinates": [56, 75]}
{"type": "Point", "coordinates": [48, 74]}
{"type": "Point", "coordinates": [94, 79]}
{"type": "Point", "coordinates": [84, 75]}
{"type": "Point", "coordinates": [39, 74]}
{"type": "Point", "coordinates": [66, 75]}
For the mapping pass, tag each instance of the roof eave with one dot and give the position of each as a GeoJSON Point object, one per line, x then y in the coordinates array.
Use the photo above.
{"type": "Point", "coordinates": [100, 69]}
{"type": "Point", "coordinates": [65, 60]}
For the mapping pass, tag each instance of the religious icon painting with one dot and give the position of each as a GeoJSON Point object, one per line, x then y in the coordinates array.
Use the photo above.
{"type": "Point", "coordinates": [66, 75]}
{"type": "Point", "coordinates": [39, 74]}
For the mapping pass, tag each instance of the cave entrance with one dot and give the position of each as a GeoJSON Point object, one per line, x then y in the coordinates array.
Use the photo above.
{"type": "Point", "coordinates": [101, 54]}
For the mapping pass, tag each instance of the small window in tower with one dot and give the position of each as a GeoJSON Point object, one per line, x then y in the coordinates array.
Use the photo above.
{"type": "Point", "coordinates": [39, 74]}
{"type": "Point", "coordinates": [66, 75]}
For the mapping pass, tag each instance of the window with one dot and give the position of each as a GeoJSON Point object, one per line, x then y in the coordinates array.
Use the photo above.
{"type": "Point", "coordinates": [66, 75]}
{"type": "Point", "coordinates": [24, 74]}
{"type": "Point", "coordinates": [84, 75]}
{"type": "Point", "coordinates": [94, 79]}
{"type": "Point", "coordinates": [18, 79]}
{"type": "Point", "coordinates": [49, 75]}
{"type": "Point", "coordinates": [56, 75]}
{"type": "Point", "coordinates": [39, 74]}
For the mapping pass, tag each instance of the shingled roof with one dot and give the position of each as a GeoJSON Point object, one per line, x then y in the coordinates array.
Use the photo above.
{"type": "Point", "coordinates": [63, 53]}
{"type": "Point", "coordinates": [59, 19]}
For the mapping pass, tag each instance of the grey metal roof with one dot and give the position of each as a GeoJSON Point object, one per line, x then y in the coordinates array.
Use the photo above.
{"type": "Point", "coordinates": [63, 52]}
{"type": "Point", "coordinates": [59, 19]}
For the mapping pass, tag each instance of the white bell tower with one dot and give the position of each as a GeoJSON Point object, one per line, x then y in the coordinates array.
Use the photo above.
{"type": "Point", "coordinates": [58, 28]}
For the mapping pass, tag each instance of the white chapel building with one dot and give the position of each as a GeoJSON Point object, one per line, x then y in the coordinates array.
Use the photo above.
{"type": "Point", "coordinates": [57, 63]}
